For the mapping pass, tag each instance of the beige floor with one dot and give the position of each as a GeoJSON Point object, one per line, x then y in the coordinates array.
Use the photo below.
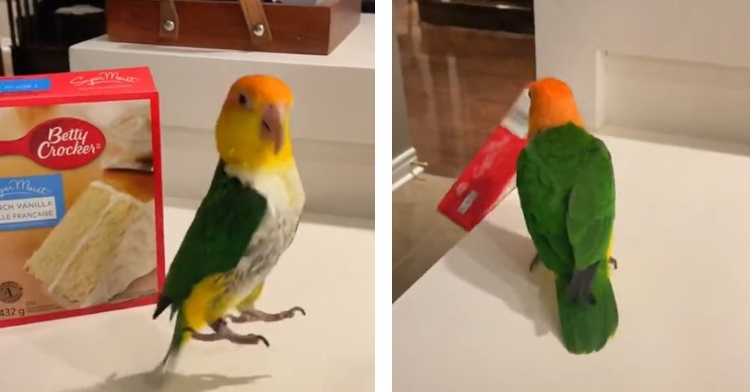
{"type": "Point", "coordinates": [421, 235]}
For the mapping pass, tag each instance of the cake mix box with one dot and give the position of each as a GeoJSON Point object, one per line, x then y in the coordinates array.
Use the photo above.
{"type": "Point", "coordinates": [80, 194]}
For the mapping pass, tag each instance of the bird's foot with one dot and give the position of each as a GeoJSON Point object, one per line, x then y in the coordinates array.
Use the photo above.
{"type": "Point", "coordinates": [613, 262]}
{"type": "Point", "coordinates": [222, 332]}
{"type": "Point", "coordinates": [534, 262]}
{"type": "Point", "coordinates": [248, 316]}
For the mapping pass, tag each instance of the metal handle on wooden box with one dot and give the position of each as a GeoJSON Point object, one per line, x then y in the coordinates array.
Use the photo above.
{"type": "Point", "coordinates": [168, 19]}
{"type": "Point", "coordinates": [255, 17]}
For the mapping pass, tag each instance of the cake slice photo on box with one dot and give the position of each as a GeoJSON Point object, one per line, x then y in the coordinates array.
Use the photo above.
{"type": "Point", "coordinates": [102, 246]}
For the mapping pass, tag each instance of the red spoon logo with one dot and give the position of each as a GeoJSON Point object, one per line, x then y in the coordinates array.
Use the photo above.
{"type": "Point", "coordinates": [59, 144]}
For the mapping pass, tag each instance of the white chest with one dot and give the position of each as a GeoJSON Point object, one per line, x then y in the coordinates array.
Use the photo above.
{"type": "Point", "coordinates": [285, 199]}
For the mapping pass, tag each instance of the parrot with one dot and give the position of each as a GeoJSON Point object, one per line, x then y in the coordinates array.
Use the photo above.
{"type": "Point", "coordinates": [247, 219]}
{"type": "Point", "coordinates": [566, 186]}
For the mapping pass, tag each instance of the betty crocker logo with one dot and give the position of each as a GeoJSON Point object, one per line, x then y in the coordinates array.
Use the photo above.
{"type": "Point", "coordinates": [59, 144]}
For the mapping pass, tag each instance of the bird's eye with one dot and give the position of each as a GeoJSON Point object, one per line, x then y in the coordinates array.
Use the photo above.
{"type": "Point", "coordinates": [243, 101]}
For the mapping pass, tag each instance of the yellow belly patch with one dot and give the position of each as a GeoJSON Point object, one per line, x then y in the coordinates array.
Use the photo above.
{"type": "Point", "coordinates": [206, 303]}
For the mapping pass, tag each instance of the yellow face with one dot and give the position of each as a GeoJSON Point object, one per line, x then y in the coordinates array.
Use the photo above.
{"type": "Point", "coordinates": [253, 128]}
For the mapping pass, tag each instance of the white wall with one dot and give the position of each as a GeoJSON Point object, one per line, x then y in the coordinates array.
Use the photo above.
{"type": "Point", "coordinates": [652, 69]}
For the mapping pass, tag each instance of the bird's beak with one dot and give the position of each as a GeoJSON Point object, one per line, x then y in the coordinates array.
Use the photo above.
{"type": "Point", "coordinates": [273, 124]}
{"type": "Point", "coordinates": [530, 87]}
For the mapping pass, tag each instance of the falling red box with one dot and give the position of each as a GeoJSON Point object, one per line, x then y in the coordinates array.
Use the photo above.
{"type": "Point", "coordinates": [491, 173]}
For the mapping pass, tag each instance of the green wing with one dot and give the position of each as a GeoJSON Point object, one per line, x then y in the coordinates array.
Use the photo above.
{"type": "Point", "coordinates": [217, 238]}
{"type": "Point", "coordinates": [591, 208]}
{"type": "Point", "coordinates": [542, 202]}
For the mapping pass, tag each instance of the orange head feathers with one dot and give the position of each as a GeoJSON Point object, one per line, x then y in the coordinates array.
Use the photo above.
{"type": "Point", "coordinates": [552, 105]}
{"type": "Point", "coordinates": [260, 90]}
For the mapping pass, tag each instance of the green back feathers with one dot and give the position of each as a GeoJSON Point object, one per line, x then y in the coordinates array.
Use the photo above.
{"type": "Point", "coordinates": [566, 186]}
{"type": "Point", "coordinates": [217, 238]}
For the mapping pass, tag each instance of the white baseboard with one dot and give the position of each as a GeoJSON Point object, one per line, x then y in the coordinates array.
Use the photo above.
{"type": "Point", "coordinates": [404, 169]}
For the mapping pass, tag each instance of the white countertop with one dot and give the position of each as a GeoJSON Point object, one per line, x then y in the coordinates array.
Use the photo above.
{"type": "Point", "coordinates": [478, 321]}
{"type": "Point", "coordinates": [328, 271]}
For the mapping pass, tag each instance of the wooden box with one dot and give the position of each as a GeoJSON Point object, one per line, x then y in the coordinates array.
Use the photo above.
{"type": "Point", "coordinates": [240, 24]}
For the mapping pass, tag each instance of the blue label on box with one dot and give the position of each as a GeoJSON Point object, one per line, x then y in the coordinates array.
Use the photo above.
{"type": "Point", "coordinates": [25, 85]}
{"type": "Point", "coordinates": [31, 202]}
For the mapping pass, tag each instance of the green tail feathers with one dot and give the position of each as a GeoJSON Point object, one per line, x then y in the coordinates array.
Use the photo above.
{"type": "Point", "coordinates": [178, 339]}
{"type": "Point", "coordinates": [586, 327]}
{"type": "Point", "coordinates": [178, 334]}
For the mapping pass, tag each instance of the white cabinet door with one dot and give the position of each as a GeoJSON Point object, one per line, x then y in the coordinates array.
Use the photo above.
{"type": "Point", "coordinates": [673, 71]}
